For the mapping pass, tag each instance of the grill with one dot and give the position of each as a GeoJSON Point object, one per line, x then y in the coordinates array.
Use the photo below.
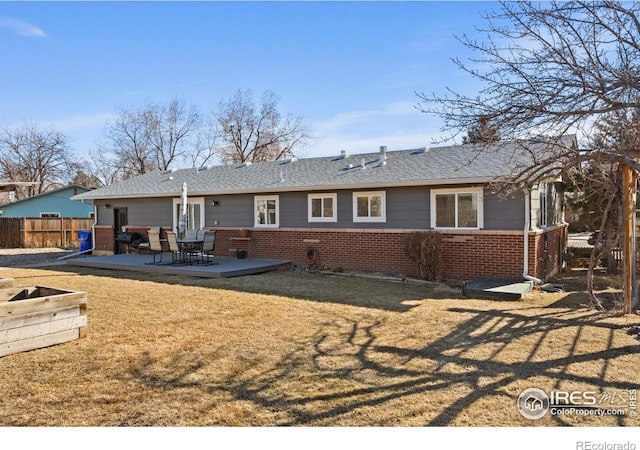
{"type": "Point", "coordinates": [129, 239]}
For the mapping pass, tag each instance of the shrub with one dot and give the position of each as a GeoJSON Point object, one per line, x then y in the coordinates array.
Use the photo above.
{"type": "Point", "coordinates": [424, 248]}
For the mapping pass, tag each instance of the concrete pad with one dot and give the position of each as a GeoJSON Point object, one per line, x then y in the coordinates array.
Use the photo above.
{"type": "Point", "coordinates": [497, 289]}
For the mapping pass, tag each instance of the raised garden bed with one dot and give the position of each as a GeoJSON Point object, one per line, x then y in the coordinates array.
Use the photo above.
{"type": "Point", "coordinates": [36, 316]}
{"type": "Point", "coordinates": [7, 283]}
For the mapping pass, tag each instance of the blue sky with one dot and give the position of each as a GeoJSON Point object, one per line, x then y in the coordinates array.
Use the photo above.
{"type": "Point", "coordinates": [350, 69]}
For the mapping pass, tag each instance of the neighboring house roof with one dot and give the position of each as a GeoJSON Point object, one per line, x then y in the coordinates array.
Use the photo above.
{"type": "Point", "coordinates": [56, 202]}
{"type": "Point", "coordinates": [45, 194]}
{"type": "Point", "coordinates": [425, 166]}
{"type": "Point", "coordinates": [7, 186]}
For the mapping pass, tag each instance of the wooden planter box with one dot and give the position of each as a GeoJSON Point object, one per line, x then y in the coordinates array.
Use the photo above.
{"type": "Point", "coordinates": [36, 316]}
{"type": "Point", "coordinates": [7, 283]}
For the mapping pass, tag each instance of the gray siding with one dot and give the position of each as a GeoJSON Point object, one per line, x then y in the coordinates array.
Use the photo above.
{"type": "Point", "coordinates": [503, 214]}
{"type": "Point", "coordinates": [231, 211]}
{"type": "Point", "coordinates": [406, 208]}
{"type": "Point", "coordinates": [140, 211]}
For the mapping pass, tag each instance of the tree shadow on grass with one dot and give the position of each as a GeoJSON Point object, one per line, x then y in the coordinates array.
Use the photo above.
{"type": "Point", "coordinates": [351, 371]}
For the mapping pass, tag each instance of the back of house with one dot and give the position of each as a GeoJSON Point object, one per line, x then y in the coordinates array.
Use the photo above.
{"type": "Point", "coordinates": [354, 212]}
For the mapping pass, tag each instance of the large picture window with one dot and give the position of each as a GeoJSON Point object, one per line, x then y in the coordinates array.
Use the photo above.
{"type": "Point", "coordinates": [457, 208]}
{"type": "Point", "coordinates": [322, 208]}
{"type": "Point", "coordinates": [369, 206]}
{"type": "Point", "coordinates": [266, 210]}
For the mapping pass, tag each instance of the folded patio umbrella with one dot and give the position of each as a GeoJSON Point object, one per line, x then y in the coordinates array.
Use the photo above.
{"type": "Point", "coordinates": [182, 219]}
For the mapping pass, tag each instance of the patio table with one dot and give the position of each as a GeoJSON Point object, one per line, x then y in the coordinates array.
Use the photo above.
{"type": "Point", "coordinates": [189, 247]}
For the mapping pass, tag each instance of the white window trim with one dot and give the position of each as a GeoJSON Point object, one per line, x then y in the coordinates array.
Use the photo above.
{"type": "Point", "coordinates": [258, 198]}
{"type": "Point", "coordinates": [57, 215]}
{"type": "Point", "coordinates": [543, 213]}
{"type": "Point", "coordinates": [473, 190]}
{"type": "Point", "coordinates": [311, 197]}
{"type": "Point", "coordinates": [383, 215]}
{"type": "Point", "coordinates": [191, 201]}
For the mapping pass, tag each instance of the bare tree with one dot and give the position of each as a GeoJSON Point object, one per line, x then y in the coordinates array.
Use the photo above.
{"type": "Point", "coordinates": [246, 132]}
{"type": "Point", "coordinates": [589, 182]}
{"type": "Point", "coordinates": [85, 179]}
{"type": "Point", "coordinates": [551, 68]}
{"type": "Point", "coordinates": [169, 127]}
{"type": "Point", "coordinates": [482, 133]}
{"type": "Point", "coordinates": [150, 138]}
{"type": "Point", "coordinates": [128, 141]}
{"type": "Point", "coordinates": [29, 153]}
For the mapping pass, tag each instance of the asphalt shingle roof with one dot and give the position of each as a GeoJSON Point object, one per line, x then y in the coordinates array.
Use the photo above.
{"type": "Point", "coordinates": [433, 166]}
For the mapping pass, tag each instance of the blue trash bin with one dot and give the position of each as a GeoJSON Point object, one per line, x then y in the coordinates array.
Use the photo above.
{"type": "Point", "coordinates": [85, 240]}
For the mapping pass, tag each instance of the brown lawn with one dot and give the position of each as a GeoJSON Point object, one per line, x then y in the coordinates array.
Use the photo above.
{"type": "Point", "coordinates": [297, 349]}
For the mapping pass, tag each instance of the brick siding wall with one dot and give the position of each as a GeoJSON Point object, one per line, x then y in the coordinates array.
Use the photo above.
{"type": "Point", "coordinates": [467, 255]}
{"type": "Point", "coordinates": [548, 256]}
{"type": "Point", "coordinates": [104, 239]}
{"type": "Point", "coordinates": [473, 255]}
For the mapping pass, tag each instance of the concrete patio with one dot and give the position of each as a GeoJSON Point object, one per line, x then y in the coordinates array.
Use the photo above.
{"type": "Point", "coordinates": [226, 267]}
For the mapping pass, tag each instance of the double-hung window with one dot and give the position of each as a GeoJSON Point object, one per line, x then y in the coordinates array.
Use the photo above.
{"type": "Point", "coordinates": [457, 208]}
{"type": "Point", "coordinates": [266, 211]}
{"type": "Point", "coordinates": [544, 205]}
{"type": "Point", "coordinates": [369, 206]}
{"type": "Point", "coordinates": [322, 207]}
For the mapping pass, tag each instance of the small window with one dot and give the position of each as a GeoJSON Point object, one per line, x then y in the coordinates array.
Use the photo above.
{"type": "Point", "coordinates": [49, 215]}
{"type": "Point", "coordinates": [544, 205]}
{"type": "Point", "coordinates": [369, 206]}
{"type": "Point", "coordinates": [266, 210]}
{"type": "Point", "coordinates": [322, 207]}
{"type": "Point", "coordinates": [457, 208]}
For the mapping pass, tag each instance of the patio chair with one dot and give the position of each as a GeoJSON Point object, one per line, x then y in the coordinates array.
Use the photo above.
{"type": "Point", "coordinates": [174, 248]}
{"type": "Point", "coordinates": [192, 234]}
{"type": "Point", "coordinates": [208, 246]}
{"type": "Point", "coordinates": [155, 246]}
{"type": "Point", "coordinates": [146, 246]}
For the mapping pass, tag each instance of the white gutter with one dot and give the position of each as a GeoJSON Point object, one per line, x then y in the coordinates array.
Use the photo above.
{"type": "Point", "coordinates": [527, 226]}
{"type": "Point", "coordinates": [294, 188]}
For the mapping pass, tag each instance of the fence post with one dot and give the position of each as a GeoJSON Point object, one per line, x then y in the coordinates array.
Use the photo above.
{"type": "Point", "coordinates": [23, 232]}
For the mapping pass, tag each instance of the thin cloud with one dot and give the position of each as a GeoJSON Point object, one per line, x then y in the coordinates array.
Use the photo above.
{"type": "Point", "coordinates": [348, 119]}
{"type": "Point", "coordinates": [83, 122]}
{"type": "Point", "coordinates": [398, 126]}
{"type": "Point", "coordinates": [21, 28]}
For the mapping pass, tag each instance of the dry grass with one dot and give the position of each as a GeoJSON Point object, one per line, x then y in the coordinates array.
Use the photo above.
{"type": "Point", "coordinates": [296, 349]}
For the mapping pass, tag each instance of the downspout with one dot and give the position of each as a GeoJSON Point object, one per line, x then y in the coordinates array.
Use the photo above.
{"type": "Point", "coordinates": [93, 227]}
{"type": "Point", "coordinates": [93, 237]}
{"type": "Point", "coordinates": [527, 226]}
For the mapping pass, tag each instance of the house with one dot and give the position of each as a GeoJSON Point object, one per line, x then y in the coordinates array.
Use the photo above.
{"type": "Point", "coordinates": [55, 203]}
{"type": "Point", "coordinates": [354, 211]}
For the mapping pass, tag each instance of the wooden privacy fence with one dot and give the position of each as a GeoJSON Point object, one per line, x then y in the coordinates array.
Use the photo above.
{"type": "Point", "coordinates": [39, 232]}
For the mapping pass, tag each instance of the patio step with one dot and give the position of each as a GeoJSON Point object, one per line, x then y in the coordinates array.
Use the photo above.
{"type": "Point", "coordinates": [497, 289]}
